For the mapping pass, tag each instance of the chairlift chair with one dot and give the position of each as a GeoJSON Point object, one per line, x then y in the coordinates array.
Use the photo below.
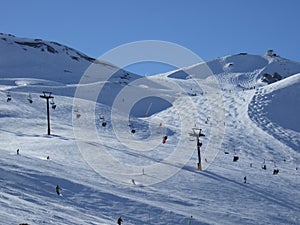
{"type": "Point", "coordinates": [131, 126]}
{"type": "Point", "coordinates": [29, 99]}
{"type": "Point", "coordinates": [199, 144]}
{"type": "Point", "coordinates": [235, 158]}
{"type": "Point", "coordinates": [276, 170]}
{"type": "Point", "coordinates": [226, 152]}
{"type": "Point", "coordinates": [53, 104]}
{"type": "Point", "coordinates": [76, 111]}
{"type": "Point", "coordinates": [264, 166]}
{"type": "Point", "coordinates": [104, 123]}
{"type": "Point", "coordinates": [8, 98]}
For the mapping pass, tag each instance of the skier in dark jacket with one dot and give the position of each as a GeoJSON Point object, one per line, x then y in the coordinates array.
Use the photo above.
{"type": "Point", "coordinates": [119, 221]}
{"type": "Point", "coordinates": [57, 190]}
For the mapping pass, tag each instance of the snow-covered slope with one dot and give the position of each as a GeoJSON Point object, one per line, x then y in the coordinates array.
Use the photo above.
{"type": "Point", "coordinates": [261, 126]}
{"type": "Point", "coordinates": [276, 109]}
{"type": "Point", "coordinates": [35, 58]}
{"type": "Point", "coordinates": [48, 65]}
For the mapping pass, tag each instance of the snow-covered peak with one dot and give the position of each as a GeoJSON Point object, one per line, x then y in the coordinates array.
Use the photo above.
{"type": "Point", "coordinates": [35, 58]}
{"type": "Point", "coordinates": [242, 70]}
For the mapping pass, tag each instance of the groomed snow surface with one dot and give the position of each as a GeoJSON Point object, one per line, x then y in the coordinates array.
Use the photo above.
{"type": "Point", "coordinates": [261, 128]}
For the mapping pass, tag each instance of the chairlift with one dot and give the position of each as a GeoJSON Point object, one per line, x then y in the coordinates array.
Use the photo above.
{"type": "Point", "coordinates": [276, 170]}
{"type": "Point", "coordinates": [226, 152]}
{"type": "Point", "coordinates": [29, 99]}
{"type": "Point", "coordinates": [8, 98]}
{"type": "Point", "coordinates": [264, 166]}
{"type": "Point", "coordinates": [53, 104]}
{"type": "Point", "coordinates": [235, 157]}
{"type": "Point", "coordinates": [131, 126]}
{"type": "Point", "coordinates": [104, 123]}
{"type": "Point", "coordinates": [199, 144]}
{"type": "Point", "coordinates": [76, 111]}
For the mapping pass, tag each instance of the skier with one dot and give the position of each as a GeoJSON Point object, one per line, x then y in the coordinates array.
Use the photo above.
{"type": "Point", "coordinates": [119, 221]}
{"type": "Point", "coordinates": [165, 139]}
{"type": "Point", "coordinates": [58, 190]}
{"type": "Point", "coordinates": [18, 151]}
{"type": "Point", "coordinates": [245, 179]}
{"type": "Point", "coordinates": [133, 181]}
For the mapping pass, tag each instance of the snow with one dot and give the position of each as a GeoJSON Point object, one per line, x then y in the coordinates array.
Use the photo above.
{"type": "Point", "coordinates": [147, 182]}
{"type": "Point", "coordinates": [277, 108]}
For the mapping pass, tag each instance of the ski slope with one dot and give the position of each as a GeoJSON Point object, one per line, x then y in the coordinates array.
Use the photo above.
{"type": "Point", "coordinates": [252, 128]}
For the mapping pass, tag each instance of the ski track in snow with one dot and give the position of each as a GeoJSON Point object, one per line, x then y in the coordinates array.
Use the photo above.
{"type": "Point", "coordinates": [260, 116]}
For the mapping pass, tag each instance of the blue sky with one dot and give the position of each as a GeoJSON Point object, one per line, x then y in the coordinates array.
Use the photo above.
{"type": "Point", "coordinates": [210, 28]}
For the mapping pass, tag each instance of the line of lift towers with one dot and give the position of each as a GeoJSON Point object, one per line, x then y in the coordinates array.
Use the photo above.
{"type": "Point", "coordinates": [197, 132]}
